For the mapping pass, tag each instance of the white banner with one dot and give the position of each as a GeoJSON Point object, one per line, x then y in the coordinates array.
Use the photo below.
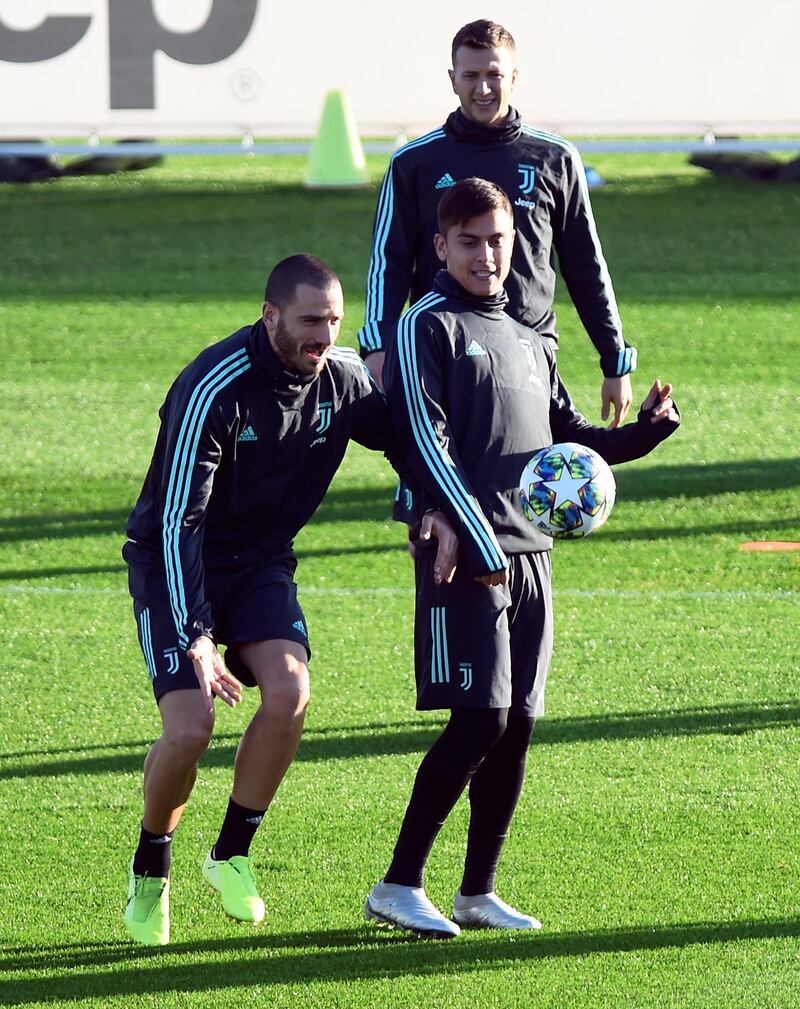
{"type": "Point", "coordinates": [209, 68]}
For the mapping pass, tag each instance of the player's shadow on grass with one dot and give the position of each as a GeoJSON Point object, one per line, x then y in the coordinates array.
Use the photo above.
{"type": "Point", "coordinates": [64, 525]}
{"type": "Point", "coordinates": [691, 480]}
{"type": "Point", "coordinates": [781, 527]}
{"type": "Point", "coordinates": [416, 736]}
{"type": "Point", "coordinates": [27, 574]}
{"type": "Point", "coordinates": [347, 504]}
{"type": "Point", "coordinates": [368, 503]}
{"type": "Point", "coordinates": [338, 955]}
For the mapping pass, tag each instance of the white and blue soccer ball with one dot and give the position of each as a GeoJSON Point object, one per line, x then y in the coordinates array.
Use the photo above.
{"type": "Point", "coordinates": [567, 490]}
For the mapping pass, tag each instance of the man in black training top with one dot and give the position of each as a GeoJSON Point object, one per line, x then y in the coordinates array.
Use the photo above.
{"type": "Point", "coordinates": [486, 137]}
{"type": "Point", "coordinates": [252, 432]}
{"type": "Point", "coordinates": [473, 395]}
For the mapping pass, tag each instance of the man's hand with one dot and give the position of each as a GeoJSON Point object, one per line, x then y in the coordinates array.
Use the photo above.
{"type": "Point", "coordinates": [374, 363]}
{"type": "Point", "coordinates": [659, 400]}
{"type": "Point", "coordinates": [213, 677]}
{"type": "Point", "coordinates": [436, 525]}
{"type": "Point", "coordinates": [616, 392]}
{"type": "Point", "coordinates": [495, 578]}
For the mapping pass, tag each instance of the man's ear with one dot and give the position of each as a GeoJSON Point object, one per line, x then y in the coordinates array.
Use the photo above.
{"type": "Point", "coordinates": [451, 74]}
{"type": "Point", "coordinates": [440, 245]}
{"type": "Point", "coordinates": [270, 315]}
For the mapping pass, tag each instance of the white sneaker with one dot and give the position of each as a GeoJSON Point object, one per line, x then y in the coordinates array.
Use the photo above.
{"type": "Point", "coordinates": [408, 907]}
{"type": "Point", "coordinates": [486, 910]}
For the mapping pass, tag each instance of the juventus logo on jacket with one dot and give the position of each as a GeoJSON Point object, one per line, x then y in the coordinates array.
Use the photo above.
{"type": "Point", "coordinates": [528, 173]}
{"type": "Point", "coordinates": [325, 411]}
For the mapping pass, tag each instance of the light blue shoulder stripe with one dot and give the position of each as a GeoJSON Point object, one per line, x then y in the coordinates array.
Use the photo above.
{"type": "Point", "coordinates": [605, 276]}
{"type": "Point", "coordinates": [344, 352]}
{"type": "Point", "coordinates": [426, 138]}
{"type": "Point", "coordinates": [346, 355]}
{"type": "Point", "coordinates": [177, 495]}
{"type": "Point", "coordinates": [443, 472]}
{"type": "Point", "coordinates": [383, 222]}
{"type": "Point", "coordinates": [530, 131]}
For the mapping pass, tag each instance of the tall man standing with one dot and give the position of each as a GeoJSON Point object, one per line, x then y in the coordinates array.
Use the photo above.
{"type": "Point", "coordinates": [252, 433]}
{"type": "Point", "coordinates": [474, 394]}
{"type": "Point", "coordinates": [486, 137]}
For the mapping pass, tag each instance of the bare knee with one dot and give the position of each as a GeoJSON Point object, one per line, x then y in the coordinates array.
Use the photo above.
{"type": "Point", "coordinates": [187, 727]}
{"type": "Point", "coordinates": [280, 668]}
{"type": "Point", "coordinates": [186, 745]}
{"type": "Point", "coordinates": [286, 695]}
{"type": "Point", "coordinates": [286, 702]}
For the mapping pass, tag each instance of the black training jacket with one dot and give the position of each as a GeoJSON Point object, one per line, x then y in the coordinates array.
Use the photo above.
{"type": "Point", "coordinates": [243, 458]}
{"type": "Point", "coordinates": [473, 395]}
{"type": "Point", "coordinates": [546, 183]}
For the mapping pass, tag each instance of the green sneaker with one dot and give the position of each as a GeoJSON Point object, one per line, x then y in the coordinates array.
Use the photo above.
{"type": "Point", "coordinates": [147, 911]}
{"type": "Point", "coordinates": [233, 879]}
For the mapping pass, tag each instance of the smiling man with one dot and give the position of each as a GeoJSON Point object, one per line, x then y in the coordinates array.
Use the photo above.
{"type": "Point", "coordinates": [473, 395]}
{"type": "Point", "coordinates": [486, 137]}
{"type": "Point", "coordinates": [252, 433]}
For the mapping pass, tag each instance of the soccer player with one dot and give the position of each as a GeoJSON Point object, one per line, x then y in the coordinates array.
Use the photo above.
{"type": "Point", "coordinates": [486, 137]}
{"type": "Point", "coordinates": [474, 394]}
{"type": "Point", "coordinates": [252, 432]}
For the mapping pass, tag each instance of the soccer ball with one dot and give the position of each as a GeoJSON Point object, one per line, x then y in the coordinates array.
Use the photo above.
{"type": "Point", "coordinates": [567, 490]}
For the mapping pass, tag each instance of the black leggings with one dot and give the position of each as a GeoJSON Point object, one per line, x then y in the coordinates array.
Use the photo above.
{"type": "Point", "coordinates": [487, 748]}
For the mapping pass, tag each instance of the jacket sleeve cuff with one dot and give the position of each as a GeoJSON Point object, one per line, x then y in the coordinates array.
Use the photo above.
{"type": "Point", "coordinates": [656, 433]}
{"type": "Point", "coordinates": [199, 629]}
{"type": "Point", "coordinates": [370, 339]}
{"type": "Point", "coordinates": [619, 362]}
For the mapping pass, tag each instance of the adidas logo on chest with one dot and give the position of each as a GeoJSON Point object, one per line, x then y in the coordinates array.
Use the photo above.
{"type": "Point", "coordinates": [445, 182]}
{"type": "Point", "coordinates": [476, 350]}
{"type": "Point", "coordinates": [248, 434]}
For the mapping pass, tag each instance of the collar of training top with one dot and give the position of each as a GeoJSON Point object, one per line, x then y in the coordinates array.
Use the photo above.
{"type": "Point", "coordinates": [492, 306]}
{"type": "Point", "coordinates": [460, 127]}
{"type": "Point", "coordinates": [262, 352]}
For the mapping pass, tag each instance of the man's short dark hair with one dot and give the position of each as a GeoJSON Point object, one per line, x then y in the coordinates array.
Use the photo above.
{"type": "Point", "coordinates": [470, 198]}
{"type": "Point", "coordinates": [290, 273]}
{"type": "Point", "coordinates": [483, 34]}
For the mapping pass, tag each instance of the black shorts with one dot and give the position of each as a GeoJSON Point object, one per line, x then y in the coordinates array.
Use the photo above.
{"type": "Point", "coordinates": [257, 604]}
{"type": "Point", "coordinates": [482, 647]}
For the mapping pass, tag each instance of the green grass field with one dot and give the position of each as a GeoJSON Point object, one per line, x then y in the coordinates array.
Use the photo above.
{"type": "Point", "coordinates": [658, 836]}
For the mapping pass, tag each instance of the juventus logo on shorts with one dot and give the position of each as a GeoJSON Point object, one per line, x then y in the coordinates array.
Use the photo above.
{"type": "Point", "coordinates": [465, 668]}
{"type": "Point", "coordinates": [171, 655]}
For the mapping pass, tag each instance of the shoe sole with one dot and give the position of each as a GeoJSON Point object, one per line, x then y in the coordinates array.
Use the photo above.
{"type": "Point", "coordinates": [370, 914]}
{"type": "Point", "coordinates": [495, 928]}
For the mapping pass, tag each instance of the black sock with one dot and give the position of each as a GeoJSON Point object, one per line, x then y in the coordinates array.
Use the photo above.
{"type": "Point", "coordinates": [238, 829]}
{"type": "Point", "coordinates": [441, 778]}
{"type": "Point", "coordinates": [493, 795]}
{"type": "Point", "coordinates": [154, 855]}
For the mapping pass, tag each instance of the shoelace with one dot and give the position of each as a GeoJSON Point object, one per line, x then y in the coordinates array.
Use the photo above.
{"type": "Point", "coordinates": [139, 885]}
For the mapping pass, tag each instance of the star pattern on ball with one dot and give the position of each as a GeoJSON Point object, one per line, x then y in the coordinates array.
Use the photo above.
{"type": "Point", "coordinates": [567, 488]}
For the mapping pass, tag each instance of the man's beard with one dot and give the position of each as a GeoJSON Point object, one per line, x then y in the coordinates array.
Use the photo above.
{"type": "Point", "coordinates": [292, 355]}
